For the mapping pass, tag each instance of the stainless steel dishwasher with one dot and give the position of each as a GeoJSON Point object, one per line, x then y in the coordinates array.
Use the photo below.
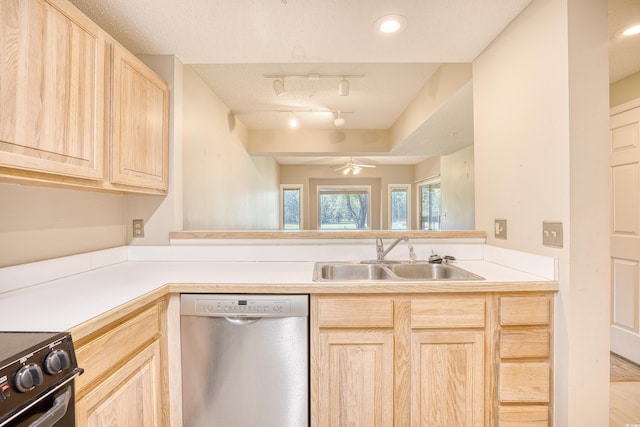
{"type": "Point", "coordinates": [245, 360]}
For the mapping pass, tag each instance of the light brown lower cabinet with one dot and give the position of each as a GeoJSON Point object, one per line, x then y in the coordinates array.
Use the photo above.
{"type": "Point", "coordinates": [124, 366]}
{"type": "Point", "coordinates": [464, 360]}
{"type": "Point", "coordinates": [130, 396]}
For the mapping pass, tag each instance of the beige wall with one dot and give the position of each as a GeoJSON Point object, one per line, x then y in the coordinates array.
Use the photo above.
{"type": "Point", "coordinates": [456, 172]}
{"type": "Point", "coordinates": [39, 223]}
{"type": "Point", "coordinates": [541, 153]}
{"type": "Point", "coordinates": [625, 90]}
{"type": "Point", "coordinates": [444, 84]}
{"type": "Point", "coordinates": [274, 141]}
{"type": "Point", "coordinates": [382, 175]}
{"type": "Point", "coordinates": [224, 187]}
{"type": "Point", "coordinates": [457, 186]}
{"type": "Point", "coordinates": [426, 169]}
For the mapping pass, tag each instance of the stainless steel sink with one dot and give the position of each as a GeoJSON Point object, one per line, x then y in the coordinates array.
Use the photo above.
{"type": "Point", "coordinates": [428, 271]}
{"type": "Point", "coordinates": [389, 271]}
{"type": "Point", "coordinates": [350, 271]}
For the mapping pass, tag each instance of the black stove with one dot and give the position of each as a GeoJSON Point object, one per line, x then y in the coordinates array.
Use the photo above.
{"type": "Point", "coordinates": [36, 379]}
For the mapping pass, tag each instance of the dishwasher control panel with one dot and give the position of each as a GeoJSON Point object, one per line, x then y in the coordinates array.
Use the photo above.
{"type": "Point", "coordinates": [244, 305]}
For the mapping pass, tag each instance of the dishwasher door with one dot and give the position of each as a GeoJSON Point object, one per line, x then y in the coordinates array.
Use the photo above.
{"type": "Point", "coordinates": [245, 360]}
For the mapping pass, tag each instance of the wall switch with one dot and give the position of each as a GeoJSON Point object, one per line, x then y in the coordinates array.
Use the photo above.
{"type": "Point", "coordinates": [552, 234]}
{"type": "Point", "coordinates": [138, 228]}
{"type": "Point", "coordinates": [500, 231]}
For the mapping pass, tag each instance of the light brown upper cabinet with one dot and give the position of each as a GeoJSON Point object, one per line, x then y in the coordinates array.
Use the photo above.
{"type": "Point", "coordinates": [78, 110]}
{"type": "Point", "coordinates": [52, 68]}
{"type": "Point", "coordinates": [139, 124]}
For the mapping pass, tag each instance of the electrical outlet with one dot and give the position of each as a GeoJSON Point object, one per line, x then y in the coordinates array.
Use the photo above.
{"type": "Point", "coordinates": [500, 231]}
{"type": "Point", "coordinates": [138, 228]}
{"type": "Point", "coordinates": [552, 234]}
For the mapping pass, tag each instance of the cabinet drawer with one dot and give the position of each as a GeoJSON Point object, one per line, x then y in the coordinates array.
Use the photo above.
{"type": "Point", "coordinates": [525, 311]}
{"type": "Point", "coordinates": [448, 313]}
{"type": "Point", "coordinates": [523, 343]}
{"type": "Point", "coordinates": [105, 353]}
{"type": "Point", "coordinates": [355, 313]}
{"type": "Point", "coordinates": [523, 416]}
{"type": "Point", "coordinates": [523, 382]}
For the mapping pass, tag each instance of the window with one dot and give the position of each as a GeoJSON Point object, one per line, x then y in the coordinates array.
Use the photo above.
{"type": "Point", "coordinates": [429, 204]}
{"type": "Point", "coordinates": [291, 207]}
{"type": "Point", "coordinates": [399, 203]}
{"type": "Point", "coordinates": [344, 207]}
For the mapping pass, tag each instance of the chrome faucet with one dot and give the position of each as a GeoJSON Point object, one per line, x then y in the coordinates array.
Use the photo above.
{"type": "Point", "coordinates": [380, 247]}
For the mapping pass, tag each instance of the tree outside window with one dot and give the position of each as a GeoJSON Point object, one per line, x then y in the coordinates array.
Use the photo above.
{"type": "Point", "coordinates": [343, 208]}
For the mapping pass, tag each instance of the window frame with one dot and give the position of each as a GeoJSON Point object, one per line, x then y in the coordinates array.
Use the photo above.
{"type": "Point", "coordinates": [419, 186]}
{"type": "Point", "coordinates": [300, 189]}
{"type": "Point", "coordinates": [390, 189]}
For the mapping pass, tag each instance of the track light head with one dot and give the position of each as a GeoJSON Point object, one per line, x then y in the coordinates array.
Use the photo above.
{"type": "Point", "coordinates": [343, 87]}
{"type": "Point", "coordinates": [278, 87]}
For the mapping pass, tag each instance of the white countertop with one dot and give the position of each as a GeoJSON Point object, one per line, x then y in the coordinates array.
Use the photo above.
{"type": "Point", "coordinates": [77, 296]}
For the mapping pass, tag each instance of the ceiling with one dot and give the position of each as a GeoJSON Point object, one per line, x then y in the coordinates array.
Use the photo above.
{"type": "Point", "coordinates": [232, 44]}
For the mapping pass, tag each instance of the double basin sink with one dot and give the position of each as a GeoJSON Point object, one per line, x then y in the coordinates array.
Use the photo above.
{"type": "Point", "coordinates": [389, 271]}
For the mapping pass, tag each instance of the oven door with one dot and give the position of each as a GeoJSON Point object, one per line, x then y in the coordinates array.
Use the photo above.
{"type": "Point", "coordinates": [56, 408]}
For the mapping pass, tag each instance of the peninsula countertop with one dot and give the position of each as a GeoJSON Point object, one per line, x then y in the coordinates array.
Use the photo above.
{"type": "Point", "coordinates": [64, 302]}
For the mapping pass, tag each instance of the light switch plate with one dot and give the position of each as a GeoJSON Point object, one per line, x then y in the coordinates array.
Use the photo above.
{"type": "Point", "coordinates": [500, 231]}
{"type": "Point", "coordinates": [552, 234]}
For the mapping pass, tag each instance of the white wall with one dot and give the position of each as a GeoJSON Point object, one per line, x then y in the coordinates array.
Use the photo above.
{"type": "Point", "coordinates": [541, 151]}
{"type": "Point", "coordinates": [224, 187]}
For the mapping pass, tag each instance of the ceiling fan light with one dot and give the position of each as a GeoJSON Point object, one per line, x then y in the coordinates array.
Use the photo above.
{"type": "Point", "coordinates": [345, 171]}
{"type": "Point", "coordinates": [293, 122]}
{"type": "Point", "coordinates": [343, 87]}
{"type": "Point", "coordinates": [338, 121]}
{"type": "Point", "coordinates": [356, 170]}
{"type": "Point", "coordinates": [278, 87]}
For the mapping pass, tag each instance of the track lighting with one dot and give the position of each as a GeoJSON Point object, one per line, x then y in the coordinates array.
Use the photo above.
{"type": "Point", "coordinates": [343, 87]}
{"type": "Point", "coordinates": [343, 84]}
{"type": "Point", "coordinates": [338, 120]}
{"type": "Point", "coordinates": [278, 87]}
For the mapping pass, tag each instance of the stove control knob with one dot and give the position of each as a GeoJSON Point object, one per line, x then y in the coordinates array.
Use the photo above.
{"type": "Point", "coordinates": [28, 377]}
{"type": "Point", "coordinates": [56, 362]}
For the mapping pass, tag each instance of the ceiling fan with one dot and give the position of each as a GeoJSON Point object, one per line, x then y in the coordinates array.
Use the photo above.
{"type": "Point", "coordinates": [353, 167]}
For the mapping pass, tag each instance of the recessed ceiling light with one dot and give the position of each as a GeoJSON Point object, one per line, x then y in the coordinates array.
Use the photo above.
{"type": "Point", "coordinates": [390, 24]}
{"type": "Point", "coordinates": [631, 31]}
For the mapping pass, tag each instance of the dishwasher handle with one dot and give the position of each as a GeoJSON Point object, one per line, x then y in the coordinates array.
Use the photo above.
{"type": "Point", "coordinates": [242, 321]}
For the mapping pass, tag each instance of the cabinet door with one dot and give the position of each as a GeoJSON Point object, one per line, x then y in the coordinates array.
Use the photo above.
{"type": "Point", "coordinates": [356, 379]}
{"type": "Point", "coordinates": [140, 108]}
{"type": "Point", "coordinates": [128, 397]}
{"type": "Point", "coordinates": [447, 379]}
{"type": "Point", "coordinates": [52, 68]}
